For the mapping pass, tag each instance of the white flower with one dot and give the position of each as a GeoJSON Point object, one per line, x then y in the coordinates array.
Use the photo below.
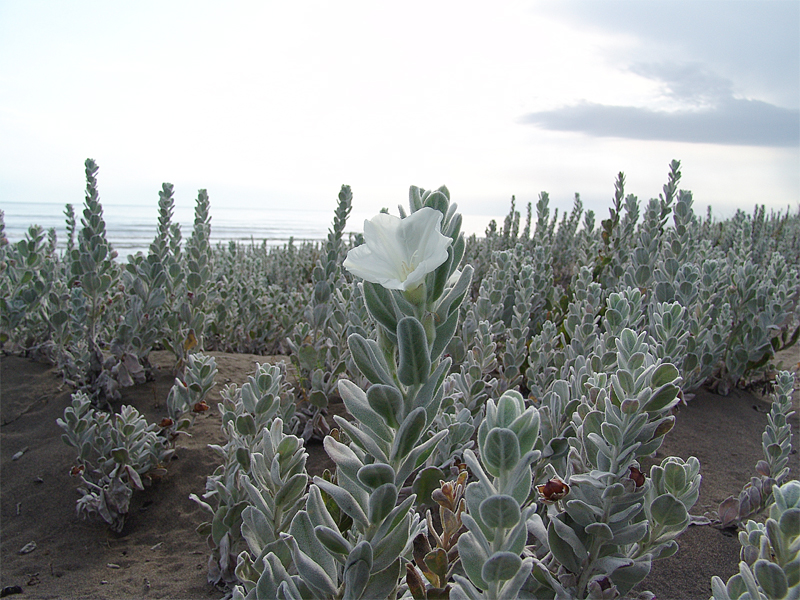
{"type": "Point", "coordinates": [398, 253]}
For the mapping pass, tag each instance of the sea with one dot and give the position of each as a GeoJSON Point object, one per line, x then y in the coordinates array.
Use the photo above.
{"type": "Point", "coordinates": [130, 228]}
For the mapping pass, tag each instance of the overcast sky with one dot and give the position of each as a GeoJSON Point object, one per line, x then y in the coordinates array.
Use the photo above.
{"type": "Point", "coordinates": [279, 103]}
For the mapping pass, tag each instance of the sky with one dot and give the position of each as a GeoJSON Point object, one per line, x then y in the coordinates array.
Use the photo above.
{"type": "Point", "coordinates": [280, 103]}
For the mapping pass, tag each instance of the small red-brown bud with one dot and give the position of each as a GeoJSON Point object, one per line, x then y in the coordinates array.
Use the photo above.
{"type": "Point", "coordinates": [553, 490]}
{"type": "Point", "coordinates": [637, 476]}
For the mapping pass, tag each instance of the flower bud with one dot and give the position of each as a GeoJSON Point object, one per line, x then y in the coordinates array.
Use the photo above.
{"type": "Point", "coordinates": [553, 490]}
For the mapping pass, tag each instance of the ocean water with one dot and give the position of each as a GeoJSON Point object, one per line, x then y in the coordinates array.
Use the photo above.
{"type": "Point", "coordinates": [130, 228]}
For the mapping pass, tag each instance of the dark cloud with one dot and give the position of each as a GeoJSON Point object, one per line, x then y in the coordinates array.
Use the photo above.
{"type": "Point", "coordinates": [712, 114]}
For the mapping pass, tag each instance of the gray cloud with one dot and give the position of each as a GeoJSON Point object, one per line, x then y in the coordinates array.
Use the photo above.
{"type": "Point", "coordinates": [736, 122]}
{"type": "Point", "coordinates": [753, 43]}
{"type": "Point", "coordinates": [712, 114]}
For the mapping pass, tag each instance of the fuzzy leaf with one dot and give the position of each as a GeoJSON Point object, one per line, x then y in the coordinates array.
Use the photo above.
{"type": "Point", "coordinates": [414, 362]}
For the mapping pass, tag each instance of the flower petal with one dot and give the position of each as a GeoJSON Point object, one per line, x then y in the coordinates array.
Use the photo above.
{"type": "Point", "coordinates": [399, 253]}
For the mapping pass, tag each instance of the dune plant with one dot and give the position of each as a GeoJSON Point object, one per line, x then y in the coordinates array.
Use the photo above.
{"type": "Point", "coordinates": [773, 470]}
{"type": "Point", "coordinates": [187, 396]}
{"type": "Point", "coordinates": [770, 553]}
{"type": "Point", "coordinates": [186, 322]}
{"type": "Point", "coordinates": [117, 454]}
{"type": "Point", "coordinates": [251, 423]}
{"type": "Point", "coordinates": [27, 278]}
{"type": "Point", "coordinates": [406, 264]}
{"type": "Point", "coordinates": [319, 344]}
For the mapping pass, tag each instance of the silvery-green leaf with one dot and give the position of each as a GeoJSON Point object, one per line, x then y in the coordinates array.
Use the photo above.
{"type": "Point", "coordinates": [501, 451]}
{"type": "Point", "coordinates": [381, 502]}
{"type": "Point", "coordinates": [345, 459]}
{"type": "Point", "coordinates": [395, 518]}
{"type": "Point", "coordinates": [501, 566]}
{"type": "Point", "coordinates": [332, 540]}
{"type": "Point", "coordinates": [566, 546]}
{"type": "Point", "coordinates": [356, 402]}
{"type": "Point", "coordinates": [456, 294]}
{"type": "Point", "coordinates": [464, 590]}
{"type": "Point", "coordinates": [292, 490]}
{"type": "Point", "coordinates": [519, 482]}
{"type": "Point", "coordinates": [383, 583]}
{"type": "Point", "coordinates": [245, 424]}
{"type": "Point", "coordinates": [344, 500]}
{"type": "Point", "coordinates": [311, 572]}
{"type": "Point", "coordinates": [626, 577]}
{"type": "Point", "coordinates": [356, 577]}
{"type": "Point", "coordinates": [426, 481]}
{"type": "Point", "coordinates": [668, 511]}
{"type": "Point", "coordinates": [409, 433]}
{"type": "Point", "coordinates": [302, 532]}
{"type": "Point", "coordinates": [663, 398]}
{"type": "Point", "coordinates": [718, 589]}
{"type": "Point", "coordinates": [429, 395]}
{"type": "Point", "coordinates": [368, 359]}
{"type": "Point", "coordinates": [476, 469]}
{"type": "Point", "coordinates": [500, 511]}
{"type": "Point", "coordinates": [256, 530]}
{"type": "Point", "coordinates": [414, 360]}
{"type": "Point", "coordinates": [380, 305]}
{"type": "Point", "coordinates": [363, 439]}
{"type": "Point", "coordinates": [392, 545]}
{"type": "Point", "coordinates": [600, 531]}
{"type": "Point", "coordinates": [473, 557]}
{"type": "Point", "coordinates": [663, 374]}
{"type": "Point", "coordinates": [510, 590]}
{"type": "Point", "coordinates": [375, 475]}
{"type": "Point", "coordinates": [631, 534]}
{"type": "Point", "coordinates": [387, 401]}
{"type": "Point", "coordinates": [665, 550]}
{"type": "Point", "coordinates": [526, 426]}
{"type": "Point", "coordinates": [418, 456]}
{"type": "Point", "coordinates": [315, 506]}
{"type": "Point", "coordinates": [535, 526]}
{"type": "Point", "coordinates": [444, 333]}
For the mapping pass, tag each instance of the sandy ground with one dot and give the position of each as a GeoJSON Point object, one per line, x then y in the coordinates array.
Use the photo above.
{"type": "Point", "coordinates": [158, 554]}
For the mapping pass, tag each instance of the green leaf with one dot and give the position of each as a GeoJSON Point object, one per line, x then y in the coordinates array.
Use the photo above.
{"type": "Point", "coordinates": [375, 475]}
{"type": "Point", "coordinates": [380, 305]}
{"type": "Point", "coordinates": [387, 401]}
{"type": "Point", "coordinates": [444, 333]}
{"type": "Point", "coordinates": [426, 481]}
{"type": "Point", "coordinates": [473, 557]}
{"type": "Point", "coordinates": [664, 373]}
{"type": "Point", "coordinates": [367, 360]}
{"type": "Point", "coordinates": [501, 451]}
{"type": "Point", "coordinates": [381, 502]}
{"type": "Point", "coordinates": [408, 434]}
{"type": "Point", "coordinates": [243, 458]}
{"type": "Point", "coordinates": [501, 566]}
{"type": "Point", "coordinates": [500, 511]}
{"type": "Point", "coordinates": [414, 364]}
{"type": "Point", "coordinates": [771, 578]}
{"type": "Point", "coordinates": [668, 511]}
{"type": "Point", "coordinates": [663, 398]}
{"type": "Point", "coordinates": [120, 455]}
{"type": "Point", "coordinates": [565, 545]}
{"type": "Point", "coordinates": [344, 500]}
{"type": "Point", "coordinates": [332, 540]}
{"type": "Point", "coordinates": [246, 425]}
